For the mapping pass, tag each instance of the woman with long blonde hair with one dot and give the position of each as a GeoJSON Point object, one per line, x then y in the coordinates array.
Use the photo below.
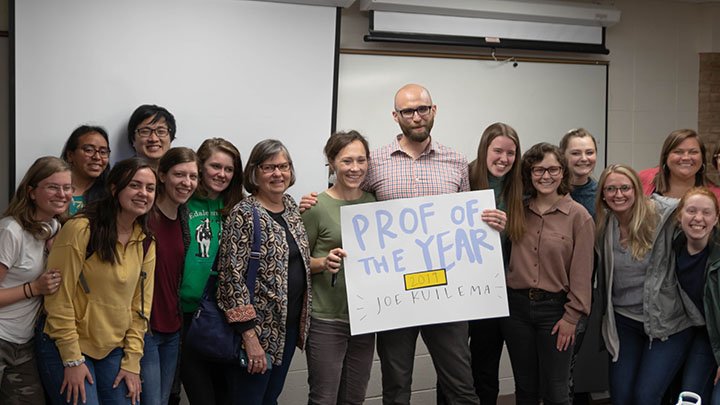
{"type": "Point", "coordinates": [646, 314]}
{"type": "Point", "coordinates": [26, 231]}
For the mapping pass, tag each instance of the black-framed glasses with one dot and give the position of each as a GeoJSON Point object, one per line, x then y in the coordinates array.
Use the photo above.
{"type": "Point", "coordinates": [145, 132]}
{"type": "Point", "coordinates": [422, 111]}
{"type": "Point", "coordinates": [539, 171]}
{"type": "Point", "coordinates": [623, 188]}
{"type": "Point", "coordinates": [90, 151]}
{"type": "Point", "coordinates": [270, 168]}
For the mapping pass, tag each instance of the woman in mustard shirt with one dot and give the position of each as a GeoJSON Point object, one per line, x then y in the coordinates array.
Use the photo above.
{"type": "Point", "coordinates": [93, 338]}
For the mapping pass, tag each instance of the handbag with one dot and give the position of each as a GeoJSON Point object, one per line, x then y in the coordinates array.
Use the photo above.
{"type": "Point", "coordinates": [209, 333]}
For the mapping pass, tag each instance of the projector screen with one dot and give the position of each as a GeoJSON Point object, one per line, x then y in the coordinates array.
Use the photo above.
{"type": "Point", "coordinates": [542, 101]}
{"type": "Point", "coordinates": [241, 70]}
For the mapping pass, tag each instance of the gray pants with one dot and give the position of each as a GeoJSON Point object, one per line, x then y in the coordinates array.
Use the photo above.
{"type": "Point", "coordinates": [338, 364]}
{"type": "Point", "coordinates": [19, 378]}
{"type": "Point", "coordinates": [448, 347]}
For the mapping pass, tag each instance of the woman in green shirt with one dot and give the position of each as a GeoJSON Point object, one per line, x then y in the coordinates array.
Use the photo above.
{"type": "Point", "coordinates": [338, 364]}
{"type": "Point", "coordinates": [219, 189]}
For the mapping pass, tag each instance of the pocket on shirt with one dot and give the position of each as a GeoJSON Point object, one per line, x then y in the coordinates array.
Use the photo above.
{"type": "Point", "coordinates": [105, 324]}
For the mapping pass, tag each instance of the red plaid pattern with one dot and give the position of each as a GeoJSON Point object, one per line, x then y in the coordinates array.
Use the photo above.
{"type": "Point", "coordinates": [393, 174]}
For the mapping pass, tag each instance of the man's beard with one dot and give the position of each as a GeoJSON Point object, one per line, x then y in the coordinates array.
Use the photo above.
{"type": "Point", "coordinates": [416, 136]}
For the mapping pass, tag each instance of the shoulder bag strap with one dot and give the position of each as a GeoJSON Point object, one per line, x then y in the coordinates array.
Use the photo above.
{"type": "Point", "coordinates": [254, 261]}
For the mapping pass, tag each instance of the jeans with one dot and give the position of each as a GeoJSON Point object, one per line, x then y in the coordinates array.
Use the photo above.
{"type": "Point", "coordinates": [158, 367]}
{"type": "Point", "coordinates": [103, 372]}
{"type": "Point", "coordinates": [263, 389]}
{"type": "Point", "coordinates": [338, 364]}
{"type": "Point", "coordinates": [645, 368]}
{"type": "Point", "coordinates": [700, 366]}
{"type": "Point", "coordinates": [541, 371]}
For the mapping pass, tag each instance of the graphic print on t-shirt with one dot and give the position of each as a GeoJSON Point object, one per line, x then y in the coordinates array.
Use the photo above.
{"type": "Point", "coordinates": [203, 236]}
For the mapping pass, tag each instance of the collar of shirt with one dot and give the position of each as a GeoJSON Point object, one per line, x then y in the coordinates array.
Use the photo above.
{"type": "Point", "coordinates": [562, 205]}
{"type": "Point", "coordinates": [397, 149]}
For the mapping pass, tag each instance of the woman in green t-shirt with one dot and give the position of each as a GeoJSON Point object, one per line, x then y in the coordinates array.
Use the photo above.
{"type": "Point", "coordinates": [338, 364]}
{"type": "Point", "coordinates": [219, 189]}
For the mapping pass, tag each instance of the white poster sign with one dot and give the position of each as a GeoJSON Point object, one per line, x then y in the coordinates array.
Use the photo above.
{"type": "Point", "coordinates": [422, 261]}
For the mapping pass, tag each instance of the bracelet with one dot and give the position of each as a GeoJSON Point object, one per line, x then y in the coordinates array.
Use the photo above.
{"type": "Point", "coordinates": [30, 288]}
{"type": "Point", "coordinates": [25, 290]}
{"type": "Point", "coordinates": [249, 336]}
{"type": "Point", "coordinates": [74, 363]}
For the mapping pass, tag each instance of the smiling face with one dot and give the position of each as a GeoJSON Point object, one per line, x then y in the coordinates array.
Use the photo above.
{"type": "Point", "coordinates": [180, 182]}
{"type": "Point", "coordinates": [218, 171]}
{"type": "Point", "coordinates": [581, 156]}
{"type": "Point", "coordinates": [52, 195]}
{"type": "Point", "coordinates": [698, 217]}
{"type": "Point", "coordinates": [685, 159]}
{"type": "Point", "coordinates": [501, 155]}
{"type": "Point", "coordinates": [274, 182]}
{"type": "Point", "coordinates": [619, 201]}
{"type": "Point", "coordinates": [86, 160]}
{"type": "Point", "coordinates": [350, 165]}
{"type": "Point", "coordinates": [138, 197]}
{"type": "Point", "coordinates": [151, 147]}
{"type": "Point", "coordinates": [546, 184]}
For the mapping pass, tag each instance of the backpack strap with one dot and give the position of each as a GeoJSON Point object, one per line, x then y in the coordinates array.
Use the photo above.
{"type": "Point", "coordinates": [91, 249]}
{"type": "Point", "coordinates": [143, 277]}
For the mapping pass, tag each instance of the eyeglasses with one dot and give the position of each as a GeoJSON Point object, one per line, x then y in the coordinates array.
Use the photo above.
{"type": "Point", "coordinates": [624, 189]}
{"type": "Point", "coordinates": [56, 188]}
{"type": "Point", "coordinates": [270, 168]}
{"type": "Point", "coordinates": [539, 171]}
{"type": "Point", "coordinates": [422, 111]}
{"type": "Point", "coordinates": [90, 151]}
{"type": "Point", "coordinates": [145, 132]}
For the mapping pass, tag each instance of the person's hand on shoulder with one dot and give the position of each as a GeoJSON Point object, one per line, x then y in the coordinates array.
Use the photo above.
{"type": "Point", "coordinates": [307, 201]}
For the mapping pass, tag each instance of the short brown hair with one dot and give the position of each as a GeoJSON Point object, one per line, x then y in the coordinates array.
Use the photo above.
{"type": "Point", "coordinates": [536, 154]}
{"type": "Point", "coordinates": [261, 152]}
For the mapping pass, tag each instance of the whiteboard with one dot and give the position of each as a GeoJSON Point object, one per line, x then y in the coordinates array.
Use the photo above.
{"type": "Point", "coordinates": [241, 70]}
{"type": "Point", "coordinates": [542, 101]}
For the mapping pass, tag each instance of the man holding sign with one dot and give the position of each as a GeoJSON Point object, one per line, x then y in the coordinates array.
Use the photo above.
{"type": "Point", "coordinates": [414, 165]}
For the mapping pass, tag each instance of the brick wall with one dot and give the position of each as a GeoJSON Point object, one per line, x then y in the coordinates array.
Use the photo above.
{"type": "Point", "coordinates": [709, 104]}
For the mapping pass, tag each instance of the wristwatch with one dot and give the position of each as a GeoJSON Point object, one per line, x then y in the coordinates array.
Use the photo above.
{"type": "Point", "coordinates": [74, 363]}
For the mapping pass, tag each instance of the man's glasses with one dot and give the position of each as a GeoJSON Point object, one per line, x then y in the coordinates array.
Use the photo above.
{"type": "Point", "coordinates": [145, 132]}
{"type": "Point", "coordinates": [422, 111]}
